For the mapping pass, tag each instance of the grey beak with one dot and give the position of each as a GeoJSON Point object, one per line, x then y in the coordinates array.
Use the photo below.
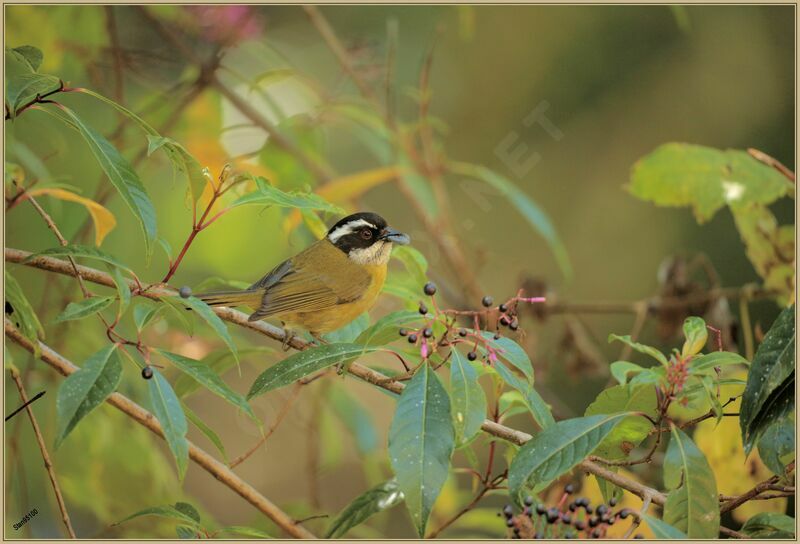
{"type": "Point", "coordinates": [395, 236]}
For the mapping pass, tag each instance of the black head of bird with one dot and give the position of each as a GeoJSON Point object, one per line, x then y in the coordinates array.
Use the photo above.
{"type": "Point", "coordinates": [328, 284]}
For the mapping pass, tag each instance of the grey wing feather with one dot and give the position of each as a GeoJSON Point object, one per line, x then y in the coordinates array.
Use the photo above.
{"type": "Point", "coordinates": [274, 276]}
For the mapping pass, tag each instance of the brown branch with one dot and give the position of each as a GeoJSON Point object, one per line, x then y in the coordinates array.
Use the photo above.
{"type": "Point", "coordinates": [48, 464]}
{"type": "Point", "coordinates": [146, 419]}
{"type": "Point", "coordinates": [61, 240]}
{"type": "Point", "coordinates": [772, 162]}
{"type": "Point", "coordinates": [736, 502]}
{"type": "Point", "coordinates": [328, 34]}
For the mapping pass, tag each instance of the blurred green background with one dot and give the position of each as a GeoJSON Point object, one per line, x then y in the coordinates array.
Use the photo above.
{"type": "Point", "coordinates": [612, 83]}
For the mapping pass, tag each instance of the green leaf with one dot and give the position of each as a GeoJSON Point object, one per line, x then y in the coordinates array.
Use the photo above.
{"type": "Point", "coordinates": [692, 506]}
{"type": "Point", "coordinates": [209, 379]}
{"type": "Point", "coordinates": [556, 450]}
{"type": "Point", "coordinates": [174, 512]}
{"type": "Point", "coordinates": [518, 198]}
{"type": "Point", "coordinates": [677, 174]}
{"type": "Point", "coordinates": [188, 509]}
{"type": "Point", "coordinates": [219, 361]}
{"type": "Point", "coordinates": [302, 364]}
{"type": "Point", "coordinates": [122, 176]}
{"type": "Point", "coordinates": [769, 525]}
{"type": "Point", "coordinates": [468, 401]}
{"type": "Point", "coordinates": [145, 314]}
{"type": "Point", "coordinates": [205, 312]}
{"type": "Point", "coordinates": [512, 352]}
{"type": "Point", "coordinates": [662, 530]}
{"type": "Point", "coordinates": [123, 290]}
{"type": "Point", "coordinates": [421, 440]}
{"type": "Point", "coordinates": [24, 88]}
{"type": "Point", "coordinates": [183, 163]}
{"type": "Point", "coordinates": [360, 509]}
{"type": "Point", "coordinates": [250, 532]}
{"type": "Point", "coordinates": [168, 411]}
{"type": "Point", "coordinates": [356, 417]}
{"type": "Point", "coordinates": [621, 369]}
{"type": "Point", "coordinates": [23, 314]}
{"type": "Point", "coordinates": [184, 532]}
{"type": "Point", "coordinates": [32, 56]}
{"type": "Point", "coordinates": [641, 348]}
{"type": "Point", "coordinates": [267, 195]}
{"type": "Point", "coordinates": [769, 393]}
{"type": "Point", "coordinates": [86, 389]}
{"type": "Point", "coordinates": [414, 262]}
{"type": "Point", "coordinates": [77, 250]}
{"type": "Point", "coordinates": [178, 310]}
{"type": "Point", "coordinates": [83, 308]}
{"type": "Point", "coordinates": [776, 443]}
{"type": "Point", "coordinates": [535, 403]}
{"type": "Point", "coordinates": [385, 329]}
{"type": "Point", "coordinates": [207, 431]}
{"type": "Point", "coordinates": [633, 430]}
{"type": "Point", "coordinates": [705, 364]}
{"type": "Point", "coordinates": [694, 329]}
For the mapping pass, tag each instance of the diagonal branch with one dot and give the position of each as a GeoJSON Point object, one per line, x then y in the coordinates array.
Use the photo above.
{"type": "Point", "coordinates": [199, 456]}
{"type": "Point", "coordinates": [48, 464]}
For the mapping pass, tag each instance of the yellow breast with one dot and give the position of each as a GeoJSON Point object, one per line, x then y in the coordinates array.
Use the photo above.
{"type": "Point", "coordinates": [330, 319]}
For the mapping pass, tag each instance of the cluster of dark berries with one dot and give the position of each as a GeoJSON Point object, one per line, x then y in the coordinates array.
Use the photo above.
{"type": "Point", "coordinates": [576, 519]}
{"type": "Point", "coordinates": [423, 337]}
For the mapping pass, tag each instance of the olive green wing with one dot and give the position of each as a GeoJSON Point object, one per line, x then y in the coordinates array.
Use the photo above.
{"type": "Point", "coordinates": [297, 285]}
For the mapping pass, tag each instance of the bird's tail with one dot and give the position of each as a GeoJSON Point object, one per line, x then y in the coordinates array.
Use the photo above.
{"type": "Point", "coordinates": [247, 297]}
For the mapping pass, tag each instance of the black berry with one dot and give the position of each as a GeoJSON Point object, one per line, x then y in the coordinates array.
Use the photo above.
{"type": "Point", "coordinates": [508, 511]}
{"type": "Point", "coordinates": [593, 522]}
{"type": "Point", "coordinates": [624, 513]}
{"type": "Point", "coordinates": [572, 506]}
{"type": "Point", "coordinates": [579, 525]}
{"type": "Point", "coordinates": [185, 292]}
{"type": "Point", "coordinates": [496, 336]}
{"type": "Point", "coordinates": [510, 522]}
{"type": "Point", "coordinates": [613, 501]}
{"type": "Point", "coordinates": [147, 373]}
{"type": "Point", "coordinates": [472, 355]}
{"type": "Point", "coordinates": [541, 509]}
{"type": "Point", "coordinates": [412, 338]}
{"type": "Point", "coordinates": [514, 325]}
{"type": "Point", "coordinates": [566, 518]}
{"type": "Point", "coordinates": [602, 509]}
{"type": "Point", "coordinates": [403, 332]}
{"type": "Point", "coordinates": [428, 332]}
{"type": "Point", "coordinates": [596, 533]}
{"type": "Point", "coordinates": [639, 536]}
{"type": "Point", "coordinates": [569, 489]}
{"type": "Point", "coordinates": [462, 332]}
{"type": "Point", "coordinates": [503, 308]}
{"type": "Point", "coordinates": [528, 500]}
{"type": "Point", "coordinates": [430, 289]}
{"type": "Point", "coordinates": [487, 301]}
{"type": "Point", "coordinates": [423, 309]}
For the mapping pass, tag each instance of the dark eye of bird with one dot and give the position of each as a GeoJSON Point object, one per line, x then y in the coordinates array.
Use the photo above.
{"type": "Point", "coordinates": [366, 234]}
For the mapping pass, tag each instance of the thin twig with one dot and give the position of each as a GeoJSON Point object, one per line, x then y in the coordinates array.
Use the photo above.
{"type": "Point", "coordinates": [731, 533]}
{"type": "Point", "coordinates": [772, 162]}
{"type": "Point", "coordinates": [282, 414]}
{"type": "Point", "coordinates": [48, 464]}
{"type": "Point", "coordinates": [148, 420]}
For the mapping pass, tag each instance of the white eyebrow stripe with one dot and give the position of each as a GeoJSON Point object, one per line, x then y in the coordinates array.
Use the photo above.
{"type": "Point", "coordinates": [349, 228]}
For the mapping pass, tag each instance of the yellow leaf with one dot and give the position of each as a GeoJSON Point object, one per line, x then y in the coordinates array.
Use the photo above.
{"type": "Point", "coordinates": [735, 473]}
{"type": "Point", "coordinates": [347, 188]}
{"type": "Point", "coordinates": [104, 220]}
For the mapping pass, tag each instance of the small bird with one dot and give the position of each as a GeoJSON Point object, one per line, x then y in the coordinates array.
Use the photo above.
{"type": "Point", "coordinates": [327, 285]}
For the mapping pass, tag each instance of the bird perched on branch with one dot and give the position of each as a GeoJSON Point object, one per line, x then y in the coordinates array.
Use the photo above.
{"type": "Point", "coordinates": [327, 285]}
